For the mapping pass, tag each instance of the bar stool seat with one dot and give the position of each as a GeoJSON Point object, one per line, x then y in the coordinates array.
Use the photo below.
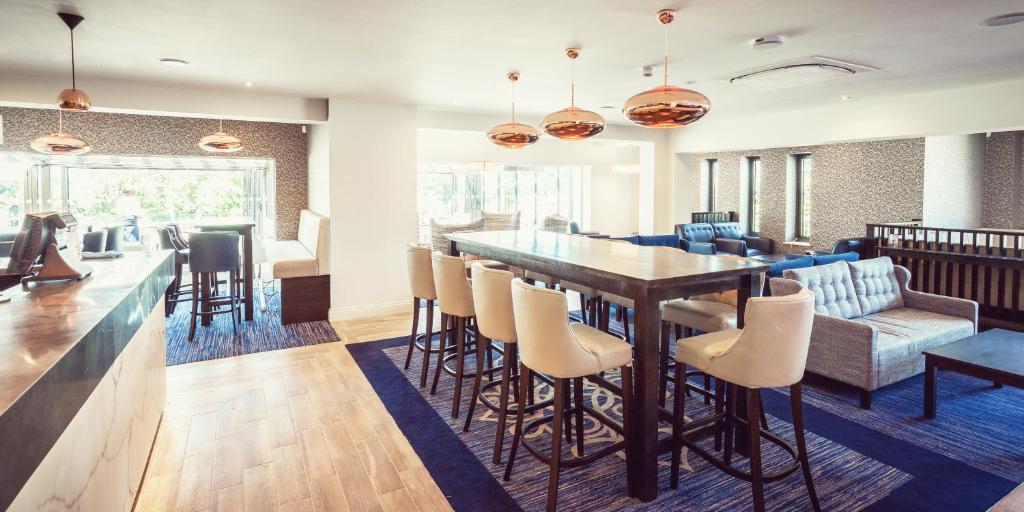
{"type": "Point", "coordinates": [549, 281]}
{"type": "Point", "coordinates": [703, 315]}
{"type": "Point", "coordinates": [610, 351]}
{"type": "Point", "coordinates": [700, 350]}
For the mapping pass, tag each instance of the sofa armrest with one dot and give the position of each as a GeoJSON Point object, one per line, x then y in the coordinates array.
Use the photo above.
{"type": "Point", "coordinates": [698, 247]}
{"type": "Point", "coordinates": [765, 245]}
{"type": "Point", "coordinates": [950, 306]}
{"type": "Point", "coordinates": [844, 350]}
{"type": "Point", "coordinates": [731, 246]}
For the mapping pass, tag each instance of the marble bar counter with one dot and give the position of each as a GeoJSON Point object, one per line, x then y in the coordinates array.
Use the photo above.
{"type": "Point", "coordinates": [82, 385]}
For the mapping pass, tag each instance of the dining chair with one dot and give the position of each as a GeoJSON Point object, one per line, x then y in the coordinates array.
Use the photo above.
{"type": "Point", "coordinates": [211, 253]}
{"type": "Point", "coordinates": [769, 352]}
{"type": "Point", "coordinates": [567, 353]}
{"type": "Point", "coordinates": [421, 284]}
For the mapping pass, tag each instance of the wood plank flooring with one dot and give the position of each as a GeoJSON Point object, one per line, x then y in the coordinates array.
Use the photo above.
{"type": "Point", "coordinates": [291, 430]}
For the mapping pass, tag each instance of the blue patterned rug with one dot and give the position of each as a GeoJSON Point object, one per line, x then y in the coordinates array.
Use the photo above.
{"type": "Point", "coordinates": [263, 333]}
{"type": "Point", "coordinates": [888, 458]}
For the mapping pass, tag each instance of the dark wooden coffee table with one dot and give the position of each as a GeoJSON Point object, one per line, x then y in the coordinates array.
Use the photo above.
{"type": "Point", "coordinates": [996, 355]}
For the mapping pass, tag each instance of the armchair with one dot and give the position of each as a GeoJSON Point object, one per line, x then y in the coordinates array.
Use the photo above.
{"type": "Point", "coordinates": [729, 237]}
{"type": "Point", "coordinates": [844, 245]}
{"type": "Point", "coordinates": [696, 237]}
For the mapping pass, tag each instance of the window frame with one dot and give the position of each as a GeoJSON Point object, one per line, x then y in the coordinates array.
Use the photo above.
{"type": "Point", "coordinates": [801, 167]}
{"type": "Point", "coordinates": [753, 184]}
{"type": "Point", "coordinates": [712, 185]}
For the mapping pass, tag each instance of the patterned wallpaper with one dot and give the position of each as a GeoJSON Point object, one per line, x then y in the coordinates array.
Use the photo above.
{"type": "Point", "coordinates": [853, 184]}
{"type": "Point", "coordinates": [129, 134]}
{"type": "Point", "coordinates": [1000, 151]}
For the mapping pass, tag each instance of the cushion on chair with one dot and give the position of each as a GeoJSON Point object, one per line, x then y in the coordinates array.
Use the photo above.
{"type": "Point", "coordinates": [611, 352]}
{"type": "Point", "coordinates": [876, 285]}
{"type": "Point", "coordinates": [825, 259]}
{"type": "Point", "coordinates": [834, 294]}
{"type": "Point", "coordinates": [903, 333]}
{"type": "Point", "coordinates": [698, 351]}
{"type": "Point", "coordinates": [618, 300]}
{"type": "Point", "coordinates": [703, 315]}
{"type": "Point", "coordinates": [777, 269]}
{"type": "Point", "coordinates": [728, 230]}
{"type": "Point", "coordinates": [579, 288]}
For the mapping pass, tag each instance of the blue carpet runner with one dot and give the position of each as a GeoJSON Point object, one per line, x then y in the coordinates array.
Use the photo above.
{"type": "Point", "coordinates": [887, 459]}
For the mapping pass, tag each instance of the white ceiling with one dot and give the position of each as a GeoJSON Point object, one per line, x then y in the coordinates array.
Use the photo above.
{"type": "Point", "coordinates": [453, 55]}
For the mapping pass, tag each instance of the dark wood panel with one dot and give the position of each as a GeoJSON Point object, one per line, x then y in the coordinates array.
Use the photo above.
{"type": "Point", "coordinates": [305, 299]}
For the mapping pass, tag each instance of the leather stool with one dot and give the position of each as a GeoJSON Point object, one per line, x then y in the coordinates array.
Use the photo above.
{"type": "Point", "coordinates": [770, 352]}
{"type": "Point", "coordinates": [421, 284]}
{"type": "Point", "coordinates": [567, 353]}
{"type": "Point", "coordinates": [457, 318]}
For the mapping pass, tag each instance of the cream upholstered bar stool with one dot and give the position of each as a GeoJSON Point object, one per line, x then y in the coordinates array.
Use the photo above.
{"type": "Point", "coordinates": [567, 353]}
{"type": "Point", "coordinates": [457, 317]}
{"type": "Point", "coordinates": [421, 284]}
{"type": "Point", "coordinates": [769, 352]}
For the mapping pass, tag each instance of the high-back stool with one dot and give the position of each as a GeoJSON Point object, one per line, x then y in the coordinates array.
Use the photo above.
{"type": "Point", "coordinates": [177, 292]}
{"type": "Point", "coordinates": [770, 352]}
{"type": "Point", "coordinates": [492, 298]}
{"type": "Point", "coordinates": [457, 317]}
{"type": "Point", "coordinates": [421, 284]}
{"type": "Point", "coordinates": [567, 353]}
{"type": "Point", "coordinates": [210, 253]}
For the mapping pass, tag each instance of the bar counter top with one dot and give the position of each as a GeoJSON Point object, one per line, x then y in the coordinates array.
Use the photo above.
{"type": "Point", "coordinates": [58, 339]}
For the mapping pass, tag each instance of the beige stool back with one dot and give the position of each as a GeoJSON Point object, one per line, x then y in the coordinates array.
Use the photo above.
{"type": "Point", "coordinates": [421, 274]}
{"type": "Point", "coordinates": [771, 352]}
{"type": "Point", "coordinates": [453, 288]}
{"type": "Point", "coordinates": [546, 344]}
{"type": "Point", "coordinates": [492, 300]}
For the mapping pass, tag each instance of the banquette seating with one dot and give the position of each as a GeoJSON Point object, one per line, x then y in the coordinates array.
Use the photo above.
{"type": "Point", "coordinates": [303, 266]}
{"type": "Point", "coordinates": [722, 237]}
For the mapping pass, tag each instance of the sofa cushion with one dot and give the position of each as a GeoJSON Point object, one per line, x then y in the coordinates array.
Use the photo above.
{"type": "Point", "coordinates": [777, 269]}
{"type": "Point", "coordinates": [315, 236]}
{"type": "Point", "coordinates": [696, 232]}
{"type": "Point", "coordinates": [291, 259]}
{"type": "Point", "coordinates": [904, 332]}
{"type": "Point", "coordinates": [825, 259]}
{"type": "Point", "coordinates": [833, 289]}
{"type": "Point", "coordinates": [876, 285]}
{"type": "Point", "coordinates": [728, 230]}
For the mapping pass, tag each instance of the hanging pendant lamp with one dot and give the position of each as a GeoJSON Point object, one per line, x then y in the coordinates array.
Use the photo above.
{"type": "Point", "coordinates": [572, 123]}
{"type": "Point", "coordinates": [220, 142]}
{"type": "Point", "coordinates": [513, 135]}
{"type": "Point", "coordinates": [666, 106]}
{"type": "Point", "coordinates": [72, 99]}
{"type": "Point", "coordinates": [60, 143]}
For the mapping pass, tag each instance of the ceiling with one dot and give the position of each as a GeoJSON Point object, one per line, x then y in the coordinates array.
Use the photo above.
{"type": "Point", "coordinates": [453, 55]}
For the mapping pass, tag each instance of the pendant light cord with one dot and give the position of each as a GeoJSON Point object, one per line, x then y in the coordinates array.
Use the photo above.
{"type": "Point", "coordinates": [513, 102]}
{"type": "Point", "coordinates": [72, 32]}
{"type": "Point", "coordinates": [665, 65]}
{"type": "Point", "coordinates": [572, 83]}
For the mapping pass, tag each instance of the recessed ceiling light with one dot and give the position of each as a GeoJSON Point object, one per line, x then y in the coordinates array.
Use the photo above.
{"type": "Point", "coordinates": [1003, 20]}
{"type": "Point", "coordinates": [247, 84]}
{"type": "Point", "coordinates": [844, 98]}
{"type": "Point", "coordinates": [177, 63]}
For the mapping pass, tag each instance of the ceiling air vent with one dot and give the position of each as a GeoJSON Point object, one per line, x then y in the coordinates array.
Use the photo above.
{"type": "Point", "coordinates": [794, 73]}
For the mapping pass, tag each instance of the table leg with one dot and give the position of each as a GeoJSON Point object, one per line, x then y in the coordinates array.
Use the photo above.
{"type": "Point", "coordinates": [642, 444]}
{"type": "Point", "coordinates": [930, 372]}
{"type": "Point", "coordinates": [248, 273]}
{"type": "Point", "coordinates": [749, 286]}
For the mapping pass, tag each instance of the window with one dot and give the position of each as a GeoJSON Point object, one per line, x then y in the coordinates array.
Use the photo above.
{"type": "Point", "coordinates": [753, 194]}
{"type": "Point", "coordinates": [459, 192]}
{"type": "Point", "coordinates": [804, 168]}
{"type": "Point", "coordinates": [712, 184]}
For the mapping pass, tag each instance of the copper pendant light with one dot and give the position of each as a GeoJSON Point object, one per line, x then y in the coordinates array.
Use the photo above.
{"type": "Point", "coordinates": [666, 106]}
{"type": "Point", "coordinates": [72, 99]}
{"type": "Point", "coordinates": [572, 123]}
{"type": "Point", "coordinates": [60, 143]}
{"type": "Point", "coordinates": [513, 135]}
{"type": "Point", "coordinates": [220, 142]}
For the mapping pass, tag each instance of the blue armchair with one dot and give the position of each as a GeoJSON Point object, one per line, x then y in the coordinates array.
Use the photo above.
{"type": "Point", "coordinates": [697, 237]}
{"type": "Point", "coordinates": [730, 238]}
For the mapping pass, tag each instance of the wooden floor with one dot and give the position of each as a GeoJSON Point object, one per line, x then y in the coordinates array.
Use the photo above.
{"type": "Point", "coordinates": [294, 430]}
{"type": "Point", "coordinates": [289, 430]}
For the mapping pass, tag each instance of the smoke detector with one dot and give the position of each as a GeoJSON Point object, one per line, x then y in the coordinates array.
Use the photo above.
{"type": "Point", "coordinates": [766, 42]}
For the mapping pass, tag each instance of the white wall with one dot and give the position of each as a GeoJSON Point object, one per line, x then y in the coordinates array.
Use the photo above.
{"type": "Point", "coordinates": [373, 206]}
{"type": "Point", "coordinates": [954, 180]}
{"type": "Point", "coordinates": [318, 153]}
{"type": "Point", "coordinates": [613, 206]}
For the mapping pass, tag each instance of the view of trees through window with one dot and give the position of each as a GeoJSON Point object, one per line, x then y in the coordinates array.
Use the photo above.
{"type": "Point", "coordinates": [459, 193]}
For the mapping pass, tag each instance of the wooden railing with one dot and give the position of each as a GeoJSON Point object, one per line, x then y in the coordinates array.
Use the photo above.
{"type": "Point", "coordinates": [983, 265]}
{"type": "Point", "coordinates": [714, 217]}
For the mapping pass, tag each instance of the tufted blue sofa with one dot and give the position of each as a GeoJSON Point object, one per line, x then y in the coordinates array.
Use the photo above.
{"type": "Point", "coordinates": [697, 237]}
{"type": "Point", "coordinates": [869, 326]}
{"type": "Point", "coordinates": [652, 240]}
{"type": "Point", "coordinates": [722, 237]}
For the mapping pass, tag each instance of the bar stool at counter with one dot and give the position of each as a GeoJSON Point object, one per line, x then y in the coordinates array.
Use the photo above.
{"type": "Point", "coordinates": [210, 253]}
{"type": "Point", "coordinates": [457, 316]}
{"type": "Point", "coordinates": [770, 352]}
{"type": "Point", "coordinates": [567, 353]}
{"type": "Point", "coordinates": [421, 283]}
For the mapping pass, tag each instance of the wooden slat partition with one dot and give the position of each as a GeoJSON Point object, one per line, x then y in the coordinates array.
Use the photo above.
{"type": "Point", "coordinates": [983, 265]}
{"type": "Point", "coordinates": [714, 217]}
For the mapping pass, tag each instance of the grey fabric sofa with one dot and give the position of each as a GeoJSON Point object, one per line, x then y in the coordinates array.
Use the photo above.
{"type": "Point", "coordinates": [869, 328]}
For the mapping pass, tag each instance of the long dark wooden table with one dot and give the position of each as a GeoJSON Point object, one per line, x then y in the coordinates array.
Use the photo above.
{"type": "Point", "coordinates": [648, 275]}
{"type": "Point", "coordinates": [244, 230]}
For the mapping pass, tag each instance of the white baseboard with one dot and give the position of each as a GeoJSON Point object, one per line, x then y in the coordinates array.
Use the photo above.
{"type": "Point", "coordinates": [351, 312]}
